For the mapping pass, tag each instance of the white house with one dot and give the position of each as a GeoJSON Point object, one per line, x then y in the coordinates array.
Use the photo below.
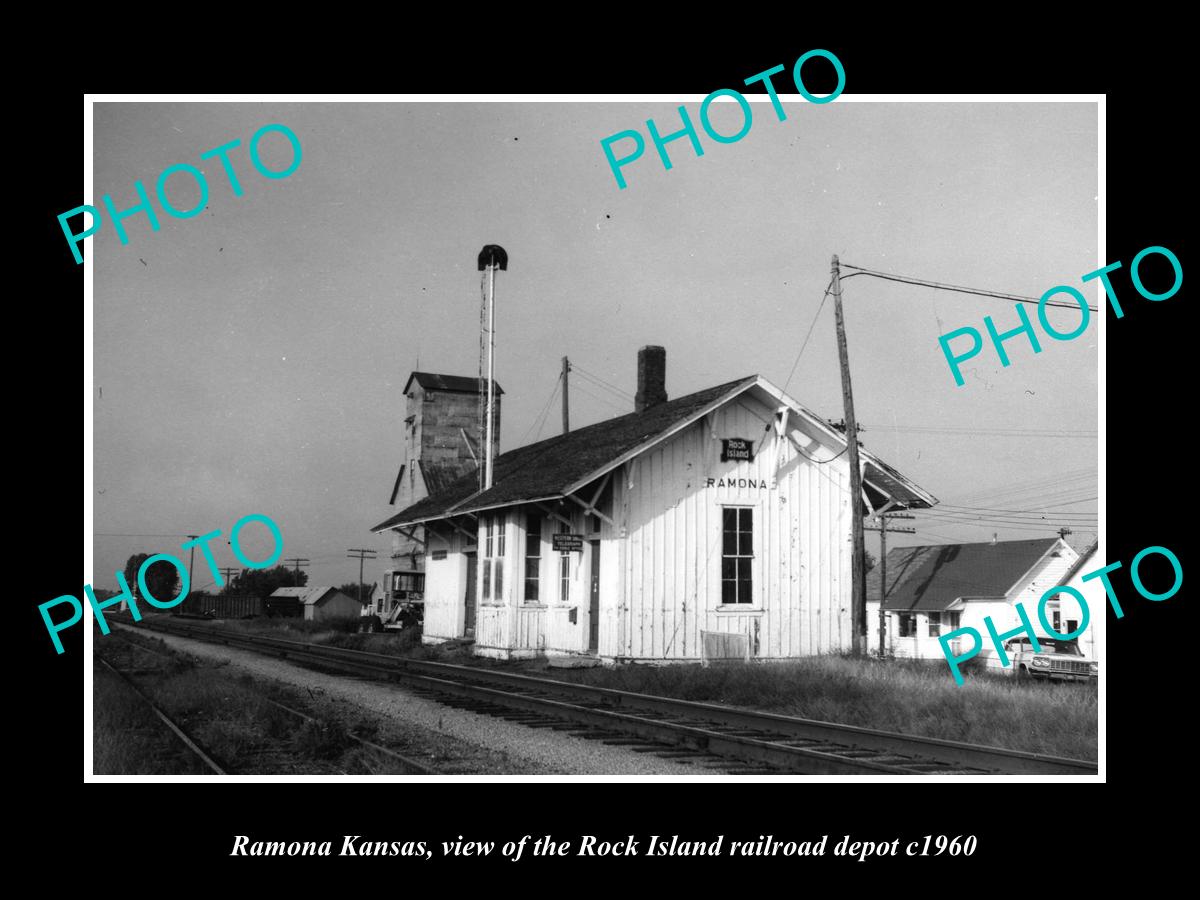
{"type": "Point", "coordinates": [1064, 613]}
{"type": "Point", "coordinates": [933, 590]}
{"type": "Point", "coordinates": [714, 524]}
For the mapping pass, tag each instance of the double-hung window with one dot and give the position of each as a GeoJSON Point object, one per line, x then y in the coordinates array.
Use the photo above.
{"type": "Point", "coordinates": [737, 554]}
{"type": "Point", "coordinates": [564, 569]}
{"type": "Point", "coordinates": [533, 556]}
{"type": "Point", "coordinates": [493, 559]}
{"type": "Point", "coordinates": [943, 623]}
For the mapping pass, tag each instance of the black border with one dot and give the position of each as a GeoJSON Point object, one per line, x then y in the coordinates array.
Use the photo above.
{"type": "Point", "coordinates": [1147, 400]}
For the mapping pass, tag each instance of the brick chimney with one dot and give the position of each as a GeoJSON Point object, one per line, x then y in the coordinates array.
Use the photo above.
{"type": "Point", "coordinates": [651, 378]}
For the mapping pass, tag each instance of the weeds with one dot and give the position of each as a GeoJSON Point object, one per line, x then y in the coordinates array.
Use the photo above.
{"type": "Point", "coordinates": [907, 696]}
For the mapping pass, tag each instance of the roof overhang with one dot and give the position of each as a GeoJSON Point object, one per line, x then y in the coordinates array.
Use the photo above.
{"type": "Point", "coordinates": [899, 491]}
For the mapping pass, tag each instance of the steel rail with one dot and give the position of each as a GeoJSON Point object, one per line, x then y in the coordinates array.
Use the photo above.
{"type": "Point", "coordinates": [414, 767]}
{"type": "Point", "coordinates": [167, 720]}
{"type": "Point", "coordinates": [824, 747]}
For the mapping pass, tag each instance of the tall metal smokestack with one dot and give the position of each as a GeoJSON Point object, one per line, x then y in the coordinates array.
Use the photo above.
{"type": "Point", "coordinates": [491, 258]}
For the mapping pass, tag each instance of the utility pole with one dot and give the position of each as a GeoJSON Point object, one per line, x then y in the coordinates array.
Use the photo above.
{"type": "Point", "coordinates": [858, 603]}
{"type": "Point", "coordinates": [361, 555]}
{"type": "Point", "coordinates": [883, 530]}
{"type": "Point", "coordinates": [228, 571]}
{"type": "Point", "coordinates": [191, 560]}
{"type": "Point", "coordinates": [566, 407]}
{"type": "Point", "coordinates": [299, 561]}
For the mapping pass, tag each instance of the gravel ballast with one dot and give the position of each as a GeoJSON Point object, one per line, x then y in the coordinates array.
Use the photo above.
{"type": "Point", "coordinates": [505, 747]}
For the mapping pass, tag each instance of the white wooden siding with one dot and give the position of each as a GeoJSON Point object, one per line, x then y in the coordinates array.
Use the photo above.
{"type": "Point", "coordinates": [445, 589]}
{"type": "Point", "coordinates": [671, 566]}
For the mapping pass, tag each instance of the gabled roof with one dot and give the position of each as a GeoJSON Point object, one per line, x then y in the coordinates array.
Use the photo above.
{"type": "Point", "coordinates": [1085, 557]}
{"type": "Point", "coordinates": [937, 577]}
{"type": "Point", "coordinates": [558, 466]}
{"type": "Point", "coordinates": [461, 384]}
{"type": "Point", "coordinates": [306, 595]}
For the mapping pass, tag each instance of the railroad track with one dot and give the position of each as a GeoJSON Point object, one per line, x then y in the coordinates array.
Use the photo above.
{"type": "Point", "coordinates": [758, 740]}
{"type": "Point", "coordinates": [176, 729]}
{"type": "Point", "coordinates": [262, 756]}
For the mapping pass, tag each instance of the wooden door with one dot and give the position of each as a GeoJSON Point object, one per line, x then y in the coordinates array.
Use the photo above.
{"type": "Point", "coordinates": [469, 596]}
{"type": "Point", "coordinates": [594, 600]}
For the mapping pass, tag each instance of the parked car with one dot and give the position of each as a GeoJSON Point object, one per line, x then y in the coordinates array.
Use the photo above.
{"type": "Point", "coordinates": [1053, 659]}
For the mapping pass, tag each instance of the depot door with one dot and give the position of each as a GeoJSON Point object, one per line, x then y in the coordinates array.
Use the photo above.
{"type": "Point", "coordinates": [469, 597]}
{"type": "Point", "coordinates": [594, 600]}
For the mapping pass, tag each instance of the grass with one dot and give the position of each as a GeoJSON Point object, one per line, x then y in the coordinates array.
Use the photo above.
{"type": "Point", "coordinates": [128, 739]}
{"type": "Point", "coordinates": [907, 696]}
{"type": "Point", "coordinates": [916, 697]}
{"type": "Point", "coordinates": [229, 715]}
{"type": "Point", "coordinates": [343, 633]}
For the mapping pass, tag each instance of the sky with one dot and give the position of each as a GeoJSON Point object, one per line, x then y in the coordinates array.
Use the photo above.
{"type": "Point", "coordinates": [251, 359]}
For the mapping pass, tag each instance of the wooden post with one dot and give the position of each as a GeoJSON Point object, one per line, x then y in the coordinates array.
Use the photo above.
{"type": "Point", "coordinates": [858, 600]}
{"type": "Point", "coordinates": [883, 529]}
{"type": "Point", "coordinates": [566, 408]}
{"type": "Point", "coordinates": [882, 581]}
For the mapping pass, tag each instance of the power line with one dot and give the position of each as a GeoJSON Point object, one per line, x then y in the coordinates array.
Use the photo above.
{"type": "Point", "coordinates": [1006, 517]}
{"type": "Point", "coordinates": [985, 432]}
{"type": "Point", "coordinates": [1002, 526]}
{"type": "Point", "coordinates": [1044, 498]}
{"type": "Point", "coordinates": [623, 398]}
{"type": "Point", "coordinates": [545, 417]}
{"type": "Point", "coordinates": [612, 403]}
{"type": "Point", "coordinates": [955, 507]}
{"type": "Point", "coordinates": [118, 534]}
{"type": "Point", "coordinates": [1036, 486]}
{"type": "Point", "coordinates": [545, 410]}
{"type": "Point", "coordinates": [603, 385]}
{"type": "Point", "coordinates": [612, 387]}
{"type": "Point", "coordinates": [887, 276]}
{"type": "Point", "coordinates": [807, 336]}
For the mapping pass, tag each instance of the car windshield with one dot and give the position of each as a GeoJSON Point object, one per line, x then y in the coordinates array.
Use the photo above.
{"type": "Point", "coordinates": [1063, 648]}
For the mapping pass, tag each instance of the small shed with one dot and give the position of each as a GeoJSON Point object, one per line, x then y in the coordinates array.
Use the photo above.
{"type": "Point", "coordinates": [314, 603]}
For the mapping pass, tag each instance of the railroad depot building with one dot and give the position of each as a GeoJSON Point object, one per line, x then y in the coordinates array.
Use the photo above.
{"type": "Point", "coordinates": [715, 524]}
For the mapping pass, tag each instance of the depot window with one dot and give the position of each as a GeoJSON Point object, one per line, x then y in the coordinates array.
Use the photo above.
{"type": "Point", "coordinates": [533, 556]}
{"type": "Point", "coordinates": [564, 569]}
{"type": "Point", "coordinates": [493, 558]}
{"type": "Point", "coordinates": [737, 554]}
{"type": "Point", "coordinates": [906, 624]}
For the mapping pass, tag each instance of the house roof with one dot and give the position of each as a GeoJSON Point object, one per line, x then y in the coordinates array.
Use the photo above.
{"type": "Point", "coordinates": [558, 466]}
{"type": "Point", "coordinates": [462, 384]}
{"type": "Point", "coordinates": [306, 595]}
{"type": "Point", "coordinates": [937, 577]}
{"type": "Point", "coordinates": [1085, 557]}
